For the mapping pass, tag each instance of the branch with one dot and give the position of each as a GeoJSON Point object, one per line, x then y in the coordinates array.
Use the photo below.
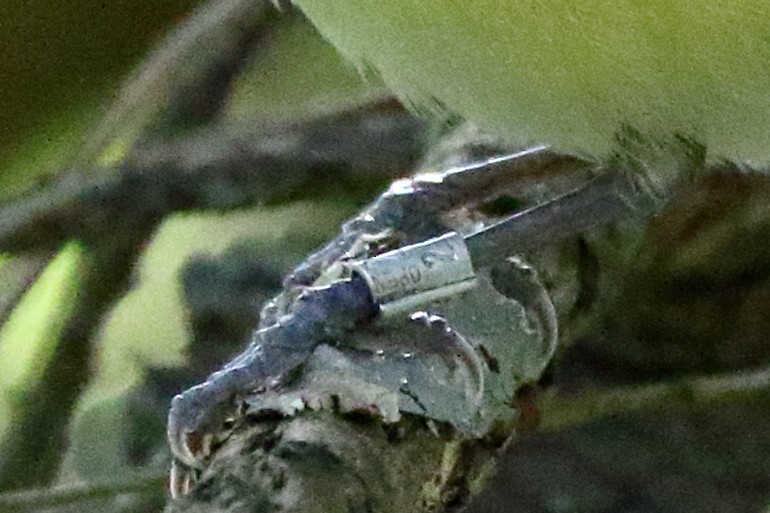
{"type": "Point", "coordinates": [186, 80]}
{"type": "Point", "coordinates": [150, 480]}
{"type": "Point", "coordinates": [565, 411]}
{"type": "Point", "coordinates": [220, 167]}
{"type": "Point", "coordinates": [409, 466]}
{"type": "Point", "coordinates": [561, 413]}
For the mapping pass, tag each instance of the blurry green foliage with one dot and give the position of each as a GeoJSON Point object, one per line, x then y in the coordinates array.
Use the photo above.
{"type": "Point", "coordinates": [28, 339]}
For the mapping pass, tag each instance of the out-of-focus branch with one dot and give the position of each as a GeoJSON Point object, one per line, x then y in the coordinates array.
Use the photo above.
{"type": "Point", "coordinates": [35, 499]}
{"type": "Point", "coordinates": [186, 80]}
{"type": "Point", "coordinates": [219, 167]}
{"type": "Point", "coordinates": [564, 411]}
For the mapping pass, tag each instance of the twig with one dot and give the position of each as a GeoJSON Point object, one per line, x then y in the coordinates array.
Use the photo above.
{"type": "Point", "coordinates": [563, 411]}
{"type": "Point", "coordinates": [34, 499]}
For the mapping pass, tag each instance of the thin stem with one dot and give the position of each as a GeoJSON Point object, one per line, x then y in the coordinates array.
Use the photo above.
{"type": "Point", "coordinates": [37, 498]}
{"type": "Point", "coordinates": [561, 411]}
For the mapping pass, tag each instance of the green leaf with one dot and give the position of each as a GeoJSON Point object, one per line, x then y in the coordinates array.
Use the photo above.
{"type": "Point", "coordinates": [28, 340]}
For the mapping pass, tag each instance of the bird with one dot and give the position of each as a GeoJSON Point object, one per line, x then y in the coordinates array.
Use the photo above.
{"type": "Point", "coordinates": [667, 85]}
